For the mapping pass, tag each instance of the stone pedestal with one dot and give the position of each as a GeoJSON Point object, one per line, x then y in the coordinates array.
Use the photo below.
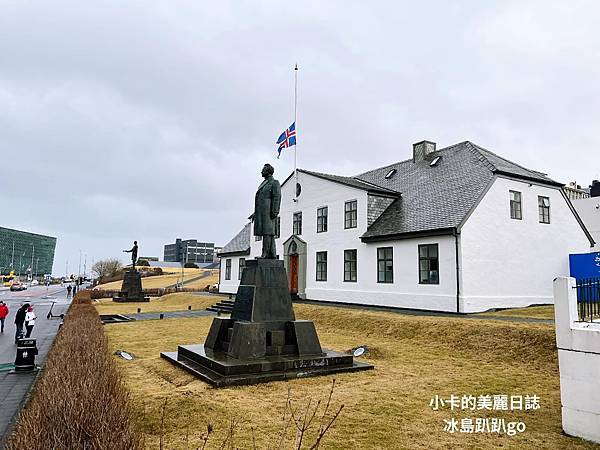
{"type": "Point", "coordinates": [131, 289]}
{"type": "Point", "coordinates": [262, 341]}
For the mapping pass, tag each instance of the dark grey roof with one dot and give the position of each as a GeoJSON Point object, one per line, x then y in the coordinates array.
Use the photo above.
{"type": "Point", "coordinates": [439, 197]}
{"type": "Point", "coordinates": [349, 181]}
{"type": "Point", "coordinates": [239, 244]}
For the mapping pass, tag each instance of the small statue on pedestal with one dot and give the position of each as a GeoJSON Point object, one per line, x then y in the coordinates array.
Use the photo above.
{"type": "Point", "coordinates": [134, 252]}
{"type": "Point", "coordinates": [131, 289]}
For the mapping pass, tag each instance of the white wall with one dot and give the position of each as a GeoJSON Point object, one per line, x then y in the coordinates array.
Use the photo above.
{"type": "Point", "coordinates": [578, 346]}
{"type": "Point", "coordinates": [589, 211]}
{"type": "Point", "coordinates": [230, 286]}
{"type": "Point", "coordinates": [405, 292]}
{"type": "Point", "coordinates": [510, 263]}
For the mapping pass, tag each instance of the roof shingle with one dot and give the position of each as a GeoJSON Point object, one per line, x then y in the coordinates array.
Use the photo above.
{"type": "Point", "coordinates": [240, 243]}
{"type": "Point", "coordinates": [439, 197]}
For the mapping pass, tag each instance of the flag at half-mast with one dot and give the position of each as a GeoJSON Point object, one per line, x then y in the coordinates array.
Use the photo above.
{"type": "Point", "coordinates": [286, 139]}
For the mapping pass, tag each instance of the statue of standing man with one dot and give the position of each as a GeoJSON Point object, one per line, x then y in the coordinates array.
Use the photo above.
{"type": "Point", "coordinates": [134, 252]}
{"type": "Point", "coordinates": [266, 210]}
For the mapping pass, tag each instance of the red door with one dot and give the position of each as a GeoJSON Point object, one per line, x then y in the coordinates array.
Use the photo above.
{"type": "Point", "coordinates": [294, 274]}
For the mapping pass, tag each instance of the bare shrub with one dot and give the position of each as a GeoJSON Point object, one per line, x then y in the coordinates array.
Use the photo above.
{"type": "Point", "coordinates": [107, 267]}
{"type": "Point", "coordinates": [79, 400]}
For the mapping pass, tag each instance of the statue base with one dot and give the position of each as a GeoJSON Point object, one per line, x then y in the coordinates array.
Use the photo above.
{"type": "Point", "coordinates": [261, 341]}
{"type": "Point", "coordinates": [131, 289]}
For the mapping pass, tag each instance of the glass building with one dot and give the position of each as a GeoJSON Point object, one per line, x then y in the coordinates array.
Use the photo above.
{"type": "Point", "coordinates": [26, 252]}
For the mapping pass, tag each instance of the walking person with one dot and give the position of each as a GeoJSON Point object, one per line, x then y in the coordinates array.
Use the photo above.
{"type": "Point", "coordinates": [29, 320]}
{"type": "Point", "coordinates": [20, 321]}
{"type": "Point", "coordinates": [3, 314]}
{"type": "Point", "coordinates": [69, 288]}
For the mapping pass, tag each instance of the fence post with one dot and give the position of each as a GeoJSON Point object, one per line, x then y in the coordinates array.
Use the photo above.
{"type": "Point", "coordinates": [565, 309]}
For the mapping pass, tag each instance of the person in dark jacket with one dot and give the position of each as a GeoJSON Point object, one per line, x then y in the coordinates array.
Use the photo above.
{"type": "Point", "coordinates": [20, 321]}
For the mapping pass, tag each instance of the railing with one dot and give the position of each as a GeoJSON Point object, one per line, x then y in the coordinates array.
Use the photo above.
{"type": "Point", "coordinates": [588, 299]}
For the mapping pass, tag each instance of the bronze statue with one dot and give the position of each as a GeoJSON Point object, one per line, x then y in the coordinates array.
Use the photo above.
{"type": "Point", "coordinates": [134, 252]}
{"type": "Point", "coordinates": [266, 210]}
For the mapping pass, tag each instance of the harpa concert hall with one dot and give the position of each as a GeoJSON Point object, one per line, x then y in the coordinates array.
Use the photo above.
{"type": "Point", "coordinates": [21, 251]}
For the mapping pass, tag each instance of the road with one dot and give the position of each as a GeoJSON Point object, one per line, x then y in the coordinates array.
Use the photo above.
{"type": "Point", "coordinates": [41, 298]}
{"type": "Point", "coordinates": [14, 387]}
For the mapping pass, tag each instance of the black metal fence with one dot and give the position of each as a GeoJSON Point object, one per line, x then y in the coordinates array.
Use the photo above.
{"type": "Point", "coordinates": [588, 299]}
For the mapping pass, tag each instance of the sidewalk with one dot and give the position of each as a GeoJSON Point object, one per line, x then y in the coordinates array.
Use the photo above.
{"type": "Point", "coordinates": [14, 388]}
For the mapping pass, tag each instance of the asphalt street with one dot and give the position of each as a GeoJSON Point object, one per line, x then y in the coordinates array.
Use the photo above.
{"type": "Point", "coordinates": [15, 387]}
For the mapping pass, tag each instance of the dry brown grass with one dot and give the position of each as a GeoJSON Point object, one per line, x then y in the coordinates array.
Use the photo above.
{"type": "Point", "coordinates": [79, 401]}
{"type": "Point", "coordinates": [211, 279]}
{"type": "Point", "coordinates": [415, 358]}
{"type": "Point", "coordinates": [170, 302]}
{"type": "Point", "coordinates": [532, 312]}
{"type": "Point", "coordinates": [169, 279]}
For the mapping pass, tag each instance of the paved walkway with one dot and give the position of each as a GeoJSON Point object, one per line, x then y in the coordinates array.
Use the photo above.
{"type": "Point", "coordinates": [169, 315]}
{"type": "Point", "coordinates": [14, 388]}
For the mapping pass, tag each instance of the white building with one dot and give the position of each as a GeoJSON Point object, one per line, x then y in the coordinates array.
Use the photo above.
{"type": "Point", "coordinates": [233, 256]}
{"type": "Point", "coordinates": [459, 229]}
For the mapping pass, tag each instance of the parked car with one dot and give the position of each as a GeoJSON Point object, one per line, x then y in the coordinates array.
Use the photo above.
{"type": "Point", "coordinates": [18, 286]}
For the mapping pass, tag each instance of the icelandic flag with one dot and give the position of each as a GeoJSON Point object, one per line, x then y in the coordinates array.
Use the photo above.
{"type": "Point", "coordinates": [286, 139]}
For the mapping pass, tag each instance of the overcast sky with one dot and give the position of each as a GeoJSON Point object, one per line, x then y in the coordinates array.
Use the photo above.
{"type": "Point", "coordinates": [151, 120]}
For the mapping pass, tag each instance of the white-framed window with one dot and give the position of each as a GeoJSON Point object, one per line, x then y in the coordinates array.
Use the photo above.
{"type": "Point", "coordinates": [322, 219]}
{"type": "Point", "coordinates": [228, 269]}
{"type": "Point", "coordinates": [516, 209]}
{"type": "Point", "coordinates": [350, 214]}
{"type": "Point", "coordinates": [544, 209]}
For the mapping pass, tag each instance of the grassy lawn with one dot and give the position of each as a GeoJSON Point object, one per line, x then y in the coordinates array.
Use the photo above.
{"type": "Point", "coordinates": [533, 312]}
{"type": "Point", "coordinates": [162, 281]}
{"type": "Point", "coordinates": [415, 358]}
{"type": "Point", "coordinates": [170, 302]}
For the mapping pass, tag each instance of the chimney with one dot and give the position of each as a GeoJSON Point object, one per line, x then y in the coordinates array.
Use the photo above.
{"type": "Point", "coordinates": [422, 150]}
{"type": "Point", "coordinates": [595, 189]}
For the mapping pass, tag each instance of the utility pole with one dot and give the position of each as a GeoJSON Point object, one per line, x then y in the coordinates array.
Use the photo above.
{"type": "Point", "coordinates": [12, 261]}
{"type": "Point", "coordinates": [84, 265]}
{"type": "Point", "coordinates": [79, 270]}
{"type": "Point", "coordinates": [67, 269]}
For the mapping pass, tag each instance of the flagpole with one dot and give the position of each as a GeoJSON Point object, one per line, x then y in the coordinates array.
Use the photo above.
{"type": "Point", "coordinates": [296, 127]}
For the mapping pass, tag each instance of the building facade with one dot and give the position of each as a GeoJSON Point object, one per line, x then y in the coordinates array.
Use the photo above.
{"type": "Point", "coordinates": [233, 258]}
{"type": "Point", "coordinates": [575, 191]}
{"type": "Point", "coordinates": [459, 230]}
{"type": "Point", "coordinates": [189, 250]}
{"type": "Point", "coordinates": [26, 253]}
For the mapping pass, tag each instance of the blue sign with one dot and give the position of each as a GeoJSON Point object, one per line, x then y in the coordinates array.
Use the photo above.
{"type": "Point", "coordinates": [584, 265]}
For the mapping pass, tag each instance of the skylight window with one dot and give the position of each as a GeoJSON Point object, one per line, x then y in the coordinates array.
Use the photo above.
{"type": "Point", "coordinates": [390, 174]}
{"type": "Point", "coordinates": [435, 161]}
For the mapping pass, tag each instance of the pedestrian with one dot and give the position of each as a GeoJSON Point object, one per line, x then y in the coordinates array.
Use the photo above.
{"type": "Point", "coordinates": [20, 321]}
{"type": "Point", "coordinates": [29, 321]}
{"type": "Point", "coordinates": [69, 288]}
{"type": "Point", "coordinates": [3, 314]}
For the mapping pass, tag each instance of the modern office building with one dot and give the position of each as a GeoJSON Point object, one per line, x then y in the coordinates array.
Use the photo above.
{"type": "Point", "coordinates": [25, 252]}
{"type": "Point", "coordinates": [190, 250]}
